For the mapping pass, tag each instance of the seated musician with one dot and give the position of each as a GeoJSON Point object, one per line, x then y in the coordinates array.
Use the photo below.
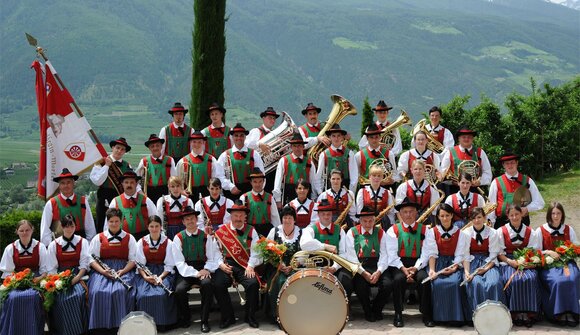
{"type": "Point", "coordinates": [197, 167]}
{"type": "Point", "coordinates": [377, 197]}
{"type": "Point", "coordinates": [337, 157]}
{"type": "Point", "coordinates": [419, 152]}
{"type": "Point", "coordinates": [339, 198]}
{"type": "Point", "coordinates": [237, 266]}
{"type": "Point", "coordinates": [418, 190]}
{"type": "Point", "coordinates": [382, 114]}
{"type": "Point", "coordinates": [109, 299]}
{"type": "Point", "coordinates": [238, 162]}
{"type": "Point", "coordinates": [367, 245]}
{"type": "Point", "coordinates": [67, 202]}
{"type": "Point", "coordinates": [311, 129]}
{"type": "Point", "coordinates": [169, 207]}
{"type": "Point", "coordinates": [464, 201]}
{"type": "Point", "coordinates": [213, 208]}
{"type": "Point", "coordinates": [443, 135]}
{"type": "Point", "coordinates": [196, 257]}
{"type": "Point", "coordinates": [291, 168]}
{"type": "Point", "coordinates": [219, 138]}
{"type": "Point", "coordinates": [304, 207]}
{"type": "Point", "coordinates": [176, 133]}
{"type": "Point", "coordinates": [156, 168]}
{"type": "Point", "coordinates": [263, 213]}
{"type": "Point", "coordinates": [405, 242]}
{"type": "Point", "coordinates": [155, 252]}
{"type": "Point", "coordinates": [328, 236]}
{"type": "Point", "coordinates": [374, 152]}
{"type": "Point", "coordinates": [135, 207]}
{"type": "Point", "coordinates": [504, 187]}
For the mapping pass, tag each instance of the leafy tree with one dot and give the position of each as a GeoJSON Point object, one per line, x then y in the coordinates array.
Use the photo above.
{"type": "Point", "coordinates": [367, 116]}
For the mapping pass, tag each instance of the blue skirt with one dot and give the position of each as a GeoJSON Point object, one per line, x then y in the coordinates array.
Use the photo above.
{"type": "Point", "coordinates": [153, 300]}
{"type": "Point", "coordinates": [523, 293]}
{"type": "Point", "coordinates": [109, 300]}
{"type": "Point", "coordinates": [446, 293]}
{"type": "Point", "coordinates": [482, 288]}
{"type": "Point", "coordinates": [22, 313]}
{"type": "Point", "coordinates": [560, 293]}
{"type": "Point", "coordinates": [69, 314]}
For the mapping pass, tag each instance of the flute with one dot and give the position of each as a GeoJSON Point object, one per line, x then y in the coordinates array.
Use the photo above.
{"type": "Point", "coordinates": [473, 273]}
{"type": "Point", "coordinates": [157, 279]}
{"type": "Point", "coordinates": [114, 273]}
{"type": "Point", "coordinates": [438, 273]}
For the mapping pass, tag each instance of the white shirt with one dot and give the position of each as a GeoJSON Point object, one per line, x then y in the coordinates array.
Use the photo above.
{"type": "Point", "coordinates": [485, 167]}
{"type": "Point", "coordinates": [537, 199]}
{"type": "Point", "coordinates": [217, 170]}
{"type": "Point", "coordinates": [383, 261]}
{"type": "Point", "coordinates": [473, 198]}
{"type": "Point", "coordinates": [202, 217]}
{"type": "Point", "coordinates": [299, 210]}
{"type": "Point", "coordinates": [534, 242]}
{"type": "Point", "coordinates": [85, 257]}
{"type": "Point", "coordinates": [312, 141]}
{"type": "Point", "coordinates": [391, 159]}
{"type": "Point", "coordinates": [95, 246]}
{"type": "Point", "coordinates": [403, 167]}
{"type": "Point", "coordinates": [397, 146]}
{"type": "Point", "coordinates": [430, 248]}
{"type": "Point", "coordinates": [309, 243]}
{"type": "Point", "coordinates": [487, 233]}
{"type": "Point", "coordinates": [329, 194]}
{"type": "Point", "coordinates": [402, 192]}
{"type": "Point", "coordinates": [254, 136]}
{"type": "Point", "coordinates": [141, 167]}
{"type": "Point", "coordinates": [168, 262]}
{"type": "Point", "coordinates": [448, 140]}
{"type": "Point", "coordinates": [281, 176]}
{"type": "Point", "coordinates": [46, 221]}
{"type": "Point", "coordinates": [227, 183]}
{"type": "Point", "coordinates": [255, 258]}
{"type": "Point", "coordinates": [164, 136]}
{"type": "Point", "coordinates": [151, 209]}
{"type": "Point", "coordinates": [550, 230]}
{"type": "Point", "coordinates": [176, 209]}
{"type": "Point", "coordinates": [352, 169]}
{"type": "Point", "coordinates": [7, 265]}
{"type": "Point", "coordinates": [393, 249]}
{"type": "Point", "coordinates": [100, 173]}
{"type": "Point", "coordinates": [380, 195]}
{"type": "Point", "coordinates": [214, 257]}
{"type": "Point", "coordinates": [274, 215]}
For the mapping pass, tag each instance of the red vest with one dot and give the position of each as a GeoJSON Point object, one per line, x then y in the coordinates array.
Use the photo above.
{"type": "Point", "coordinates": [509, 246]}
{"type": "Point", "coordinates": [114, 250]}
{"type": "Point", "coordinates": [457, 209]}
{"type": "Point", "coordinates": [548, 240]}
{"type": "Point", "coordinates": [155, 256]}
{"type": "Point", "coordinates": [69, 259]}
{"type": "Point", "coordinates": [303, 220]}
{"type": "Point", "coordinates": [424, 200]}
{"type": "Point", "coordinates": [173, 218]}
{"type": "Point", "coordinates": [215, 217]}
{"type": "Point", "coordinates": [31, 262]}
{"type": "Point", "coordinates": [381, 203]}
{"type": "Point", "coordinates": [446, 247]}
{"type": "Point", "coordinates": [341, 205]}
{"type": "Point", "coordinates": [475, 248]}
{"type": "Point", "coordinates": [412, 158]}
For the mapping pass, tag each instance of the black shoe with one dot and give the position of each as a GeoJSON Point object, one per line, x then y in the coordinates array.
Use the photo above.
{"type": "Point", "coordinates": [429, 323]}
{"type": "Point", "coordinates": [205, 327]}
{"type": "Point", "coordinates": [252, 322]}
{"type": "Point", "coordinates": [185, 323]}
{"type": "Point", "coordinates": [227, 323]}
{"type": "Point", "coordinates": [398, 320]}
{"type": "Point", "coordinates": [412, 299]}
{"type": "Point", "coordinates": [378, 316]}
{"type": "Point", "coordinates": [370, 317]}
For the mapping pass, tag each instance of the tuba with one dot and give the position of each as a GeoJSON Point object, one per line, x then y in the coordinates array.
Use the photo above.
{"type": "Point", "coordinates": [277, 140]}
{"type": "Point", "coordinates": [433, 143]}
{"type": "Point", "coordinates": [387, 137]}
{"type": "Point", "coordinates": [316, 259]}
{"type": "Point", "coordinates": [340, 110]}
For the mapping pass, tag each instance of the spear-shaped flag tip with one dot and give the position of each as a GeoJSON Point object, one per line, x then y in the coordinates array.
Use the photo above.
{"type": "Point", "coordinates": [31, 40]}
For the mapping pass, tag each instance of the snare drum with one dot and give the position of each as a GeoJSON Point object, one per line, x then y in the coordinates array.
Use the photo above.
{"type": "Point", "coordinates": [312, 302]}
{"type": "Point", "coordinates": [137, 322]}
{"type": "Point", "coordinates": [492, 317]}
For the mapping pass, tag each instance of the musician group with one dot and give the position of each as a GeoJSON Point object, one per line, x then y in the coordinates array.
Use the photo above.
{"type": "Point", "coordinates": [192, 212]}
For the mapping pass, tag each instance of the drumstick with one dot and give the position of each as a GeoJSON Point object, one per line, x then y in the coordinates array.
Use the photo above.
{"type": "Point", "coordinates": [439, 272]}
{"type": "Point", "coordinates": [474, 273]}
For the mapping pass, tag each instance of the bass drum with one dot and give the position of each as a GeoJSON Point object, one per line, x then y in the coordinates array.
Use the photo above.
{"type": "Point", "coordinates": [312, 302]}
{"type": "Point", "coordinates": [137, 322]}
{"type": "Point", "coordinates": [493, 318]}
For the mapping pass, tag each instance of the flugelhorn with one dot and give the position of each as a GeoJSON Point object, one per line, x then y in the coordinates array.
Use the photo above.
{"type": "Point", "coordinates": [387, 137]}
{"type": "Point", "coordinates": [317, 259]}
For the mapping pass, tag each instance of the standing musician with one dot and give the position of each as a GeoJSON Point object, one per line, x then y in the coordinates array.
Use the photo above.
{"type": "Point", "coordinates": [339, 198]}
{"type": "Point", "coordinates": [156, 169]}
{"type": "Point", "coordinates": [196, 256]}
{"type": "Point", "coordinates": [169, 207]}
{"type": "Point", "coordinates": [304, 207]}
{"type": "Point", "coordinates": [337, 156]}
{"type": "Point", "coordinates": [269, 117]}
{"type": "Point", "coordinates": [238, 162]}
{"type": "Point", "coordinates": [464, 201]}
{"type": "Point", "coordinates": [291, 168]}
{"type": "Point", "coordinates": [66, 202]}
{"type": "Point", "coordinates": [198, 167]}
{"type": "Point", "coordinates": [466, 151]}
{"type": "Point", "coordinates": [213, 208]}
{"type": "Point", "coordinates": [312, 127]}
{"type": "Point", "coordinates": [374, 151]}
{"type": "Point", "coordinates": [382, 113]}
{"type": "Point", "coordinates": [237, 240]}
{"type": "Point", "coordinates": [263, 212]}
{"type": "Point", "coordinates": [135, 208]}
{"type": "Point", "coordinates": [367, 244]}
{"type": "Point", "coordinates": [107, 177]}
{"type": "Point", "coordinates": [418, 189]}
{"type": "Point", "coordinates": [328, 236]}
{"type": "Point", "coordinates": [176, 134]}
{"type": "Point", "coordinates": [419, 152]}
{"type": "Point", "coordinates": [503, 188]}
{"type": "Point", "coordinates": [405, 242]}
{"type": "Point", "coordinates": [377, 197]}
{"type": "Point", "coordinates": [443, 135]}
{"type": "Point", "coordinates": [218, 134]}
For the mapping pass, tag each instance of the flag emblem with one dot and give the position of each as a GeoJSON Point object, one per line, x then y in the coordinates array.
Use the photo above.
{"type": "Point", "coordinates": [75, 151]}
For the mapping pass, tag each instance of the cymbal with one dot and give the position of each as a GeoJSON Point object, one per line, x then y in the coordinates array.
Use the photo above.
{"type": "Point", "coordinates": [522, 196]}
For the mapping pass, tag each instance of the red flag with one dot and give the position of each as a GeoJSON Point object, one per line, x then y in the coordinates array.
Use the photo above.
{"type": "Point", "coordinates": [41, 102]}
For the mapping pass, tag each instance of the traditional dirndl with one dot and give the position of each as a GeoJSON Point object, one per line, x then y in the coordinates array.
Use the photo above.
{"type": "Point", "coordinates": [446, 293]}
{"type": "Point", "coordinates": [560, 293]}
{"type": "Point", "coordinates": [153, 300]}
{"type": "Point", "coordinates": [523, 293]}
{"type": "Point", "coordinates": [109, 300]}
{"type": "Point", "coordinates": [482, 288]}
{"type": "Point", "coordinates": [22, 313]}
{"type": "Point", "coordinates": [69, 314]}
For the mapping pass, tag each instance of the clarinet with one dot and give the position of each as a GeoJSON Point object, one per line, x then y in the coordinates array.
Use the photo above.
{"type": "Point", "coordinates": [115, 274]}
{"type": "Point", "coordinates": [157, 279]}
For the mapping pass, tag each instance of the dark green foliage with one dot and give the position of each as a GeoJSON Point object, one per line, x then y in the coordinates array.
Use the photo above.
{"type": "Point", "coordinates": [367, 116]}
{"type": "Point", "coordinates": [208, 54]}
{"type": "Point", "coordinates": [9, 220]}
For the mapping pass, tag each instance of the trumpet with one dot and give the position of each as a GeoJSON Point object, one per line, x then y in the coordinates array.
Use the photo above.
{"type": "Point", "coordinates": [157, 279]}
{"type": "Point", "coordinates": [235, 284]}
{"type": "Point", "coordinates": [387, 137]}
{"type": "Point", "coordinates": [320, 257]}
{"type": "Point", "coordinates": [114, 273]}
{"type": "Point", "coordinates": [189, 175]}
{"type": "Point", "coordinates": [228, 167]}
{"type": "Point", "coordinates": [207, 221]}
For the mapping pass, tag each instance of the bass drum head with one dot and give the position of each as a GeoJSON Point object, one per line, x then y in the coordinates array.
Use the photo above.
{"type": "Point", "coordinates": [312, 302]}
{"type": "Point", "coordinates": [493, 318]}
{"type": "Point", "coordinates": [137, 322]}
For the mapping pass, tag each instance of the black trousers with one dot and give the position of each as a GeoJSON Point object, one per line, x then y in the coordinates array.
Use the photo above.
{"type": "Point", "coordinates": [400, 285]}
{"type": "Point", "coordinates": [156, 192]}
{"type": "Point", "coordinates": [223, 281]}
{"type": "Point", "coordinates": [182, 286]}
{"type": "Point", "coordinates": [270, 178]}
{"type": "Point", "coordinates": [104, 198]}
{"type": "Point", "coordinates": [345, 279]}
{"type": "Point", "coordinates": [195, 191]}
{"type": "Point", "coordinates": [362, 288]}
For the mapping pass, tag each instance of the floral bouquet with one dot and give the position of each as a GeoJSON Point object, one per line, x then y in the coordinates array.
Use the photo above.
{"type": "Point", "coordinates": [529, 258]}
{"type": "Point", "coordinates": [568, 252]}
{"type": "Point", "coordinates": [18, 280]}
{"type": "Point", "coordinates": [270, 251]}
{"type": "Point", "coordinates": [52, 284]}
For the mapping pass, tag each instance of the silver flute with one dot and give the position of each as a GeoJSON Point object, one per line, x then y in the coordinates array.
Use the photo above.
{"type": "Point", "coordinates": [157, 279]}
{"type": "Point", "coordinates": [114, 273]}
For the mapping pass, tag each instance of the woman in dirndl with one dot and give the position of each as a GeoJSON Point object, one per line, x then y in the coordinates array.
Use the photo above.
{"type": "Point", "coordinates": [109, 299]}
{"type": "Point", "coordinates": [304, 206]}
{"type": "Point", "coordinates": [169, 207]}
{"type": "Point", "coordinates": [482, 276]}
{"type": "Point", "coordinates": [69, 314]}
{"type": "Point", "coordinates": [445, 246]}
{"type": "Point", "coordinates": [154, 251]}
{"type": "Point", "coordinates": [287, 233]}
{"type": "Point", "coordinates": [377, 197]}
{"type": "Point", "coordinates": [21, 312]}
{"type": "Point", "coordinates": [560, 286]}
{"type": "Point", "coordinates": [522, 286]}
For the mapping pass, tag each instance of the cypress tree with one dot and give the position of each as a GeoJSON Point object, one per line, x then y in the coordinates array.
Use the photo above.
{"type": "Point", "coordinates": [208, 55]}
{"type": "Point", "coordinates": [367, 116]}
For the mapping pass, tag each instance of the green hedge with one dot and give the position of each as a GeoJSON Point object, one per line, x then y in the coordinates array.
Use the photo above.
{"type": "Point", "coordinates": [10, 219]}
